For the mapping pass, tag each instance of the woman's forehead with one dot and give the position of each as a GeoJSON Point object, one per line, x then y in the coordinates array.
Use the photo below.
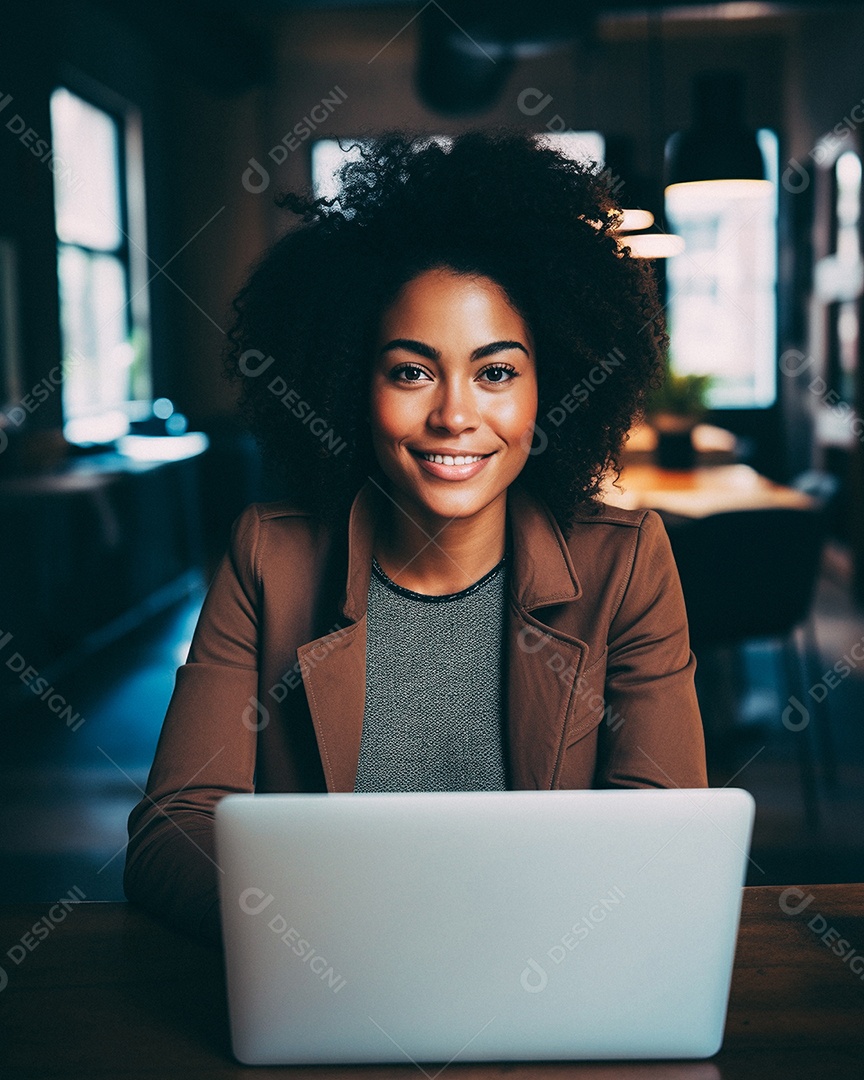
{"type": "Point", "coordinates": [450, 302]}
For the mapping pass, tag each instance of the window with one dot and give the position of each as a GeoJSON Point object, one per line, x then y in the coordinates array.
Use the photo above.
{"type": "Point", "coordinates": [99, 217]}
{"type": "Point", "coordinates": [722, 288]}
{"type": "Point", "coordinates": [328, 155]}
{"type": "Point", "coordinates": [845, 262]}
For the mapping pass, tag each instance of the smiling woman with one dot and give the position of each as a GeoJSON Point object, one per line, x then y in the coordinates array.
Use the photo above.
{"type": "Point", "coordinates": [463, 610]}
{"type": "Point", "coordinates": [450, 433]}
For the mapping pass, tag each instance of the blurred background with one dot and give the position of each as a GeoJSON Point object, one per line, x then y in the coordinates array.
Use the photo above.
{"type": "Point", "coordinates": [141, 148]}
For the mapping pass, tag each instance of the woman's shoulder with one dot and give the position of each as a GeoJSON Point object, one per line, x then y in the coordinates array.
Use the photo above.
{"type": "Point", "coordinates": [601, 521]}
{"type": "Point", "coordinates": [254, 513]}
{"type": "Point", "coordinates": [278, 509]}
{"type": "Point", "coordinates": [593, 531]}
{"type": "Point", "coordinates": [615, 531]}
{"type": "Point", "coordinates": [602, 513]}
{"type": "Point", "coordinates": [264, 529]}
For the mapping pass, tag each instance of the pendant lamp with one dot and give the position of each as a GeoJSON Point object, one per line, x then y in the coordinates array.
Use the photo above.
{"type": "Point", "coordinates": [719, 147]}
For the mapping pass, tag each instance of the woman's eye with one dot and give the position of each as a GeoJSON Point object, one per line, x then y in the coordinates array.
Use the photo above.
{"type": "Point", "coordinates": [500, 373]}
{"type": "Point", "coordinates": [497, 369]}
{"type": "Point", "coordinates": [411, 371]}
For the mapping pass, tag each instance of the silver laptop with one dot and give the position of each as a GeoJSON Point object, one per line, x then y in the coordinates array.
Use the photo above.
{"type": "Point", "coordinates": [480, 926]}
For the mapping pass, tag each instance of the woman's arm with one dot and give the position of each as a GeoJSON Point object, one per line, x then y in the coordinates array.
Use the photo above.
{"type": "Point", "coordinates": [657, 738]}
{"type": "Point", "coordinates": [206, 750]}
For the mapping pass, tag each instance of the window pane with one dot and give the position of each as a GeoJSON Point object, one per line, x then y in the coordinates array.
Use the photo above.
{"type": "Point", "coordinates": [85, 139]}
{"type": "Point", "coordinates": [722, 288]}
{"type": "Point", "coordinates": [579, 145]}
{"type": "Point", "coordinates": [328, 157]}
{"type": "Point", "coordinates": [94, 325]}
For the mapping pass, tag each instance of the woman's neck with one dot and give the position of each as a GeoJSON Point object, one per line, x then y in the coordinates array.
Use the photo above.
{"type": "Point", "coordinates": [437, 556]}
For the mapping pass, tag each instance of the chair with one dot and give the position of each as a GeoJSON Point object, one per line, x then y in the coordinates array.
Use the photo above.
{"type": "Point", "coordinates": [749, 574]}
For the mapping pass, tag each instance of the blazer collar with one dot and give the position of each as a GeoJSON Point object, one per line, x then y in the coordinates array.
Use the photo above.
{"type": "Point", "coordinates": [543, 571]}
{"type": "Point", "coordinates": [539, 701]}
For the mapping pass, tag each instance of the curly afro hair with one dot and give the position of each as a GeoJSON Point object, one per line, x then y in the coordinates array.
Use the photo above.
{"type": "Point", "coordinates": [496, 202]}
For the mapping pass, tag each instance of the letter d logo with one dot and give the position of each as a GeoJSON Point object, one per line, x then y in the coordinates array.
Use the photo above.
{"type": "Point", "coordinates": [793, 362]}
{"type": "Point", "coordinates": [255, 709]}
{"type": "Point", "coordinates": [788, 904]}
{"type": "Point", "coordinates": [256, 183]}
{"type": "Point", "coordinates": [795, 178]}
{"type": "Point", "coordinates": [534, 970]}
{"type": "Point", "coordinates": [527, 440]}
{"type": "Point", "coordinates": [248, 900]}
{"type": "Point", "coordinates": [795, 716]}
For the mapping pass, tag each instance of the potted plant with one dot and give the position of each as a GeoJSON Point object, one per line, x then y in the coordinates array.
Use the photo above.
{"type": "Point", "coordinates": [673, 409]}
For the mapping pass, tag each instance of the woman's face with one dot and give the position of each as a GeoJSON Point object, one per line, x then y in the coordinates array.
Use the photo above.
{"type": "Point", "coordinates": [454, 373]}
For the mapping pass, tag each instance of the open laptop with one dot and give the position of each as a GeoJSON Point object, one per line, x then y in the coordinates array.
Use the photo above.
{"type": "Point", "coordinates": [480, 926]}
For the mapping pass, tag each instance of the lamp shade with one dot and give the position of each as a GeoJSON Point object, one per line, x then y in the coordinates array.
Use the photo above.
{"type": "Point", "coordinates": [718, 146]}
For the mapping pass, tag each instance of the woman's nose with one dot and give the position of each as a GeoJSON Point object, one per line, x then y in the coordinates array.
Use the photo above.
{"type": "Point", "coordinates": [455, 407]}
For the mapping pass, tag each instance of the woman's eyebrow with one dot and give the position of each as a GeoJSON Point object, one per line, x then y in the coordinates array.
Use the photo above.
{"type": "Point", "coordinates": [430, 353]}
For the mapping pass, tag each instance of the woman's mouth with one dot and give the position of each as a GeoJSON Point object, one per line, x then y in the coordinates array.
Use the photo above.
{"type": "Point", "coordinates": [450, 466]}
{"type": "Point", "coordinates": [450, 459]}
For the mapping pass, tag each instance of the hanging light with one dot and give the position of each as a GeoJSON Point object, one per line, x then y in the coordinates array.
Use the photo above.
{"type": "Point", "coordinates": [645, 245]}
{"type": "Point", "coordinates": [634, 220]}
{"type": "Point", "coordinates": [718, 149]}
{"type": "Point", "coordinates": [717, 164]}
{"type": "Point", "coordinates": [652, 245]}
{"type": "Point", "coordinates": [636, 229]}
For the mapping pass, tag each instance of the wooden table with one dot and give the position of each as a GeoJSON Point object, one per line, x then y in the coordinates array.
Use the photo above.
{"type": "Point", "coordinates": [109, 993]}
{"type": "Point", "coordinates": [703, 490]}
{"type": "Point", "coordinates": [713, 445]}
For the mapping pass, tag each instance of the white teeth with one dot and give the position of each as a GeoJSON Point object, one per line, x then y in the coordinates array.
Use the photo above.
{"type": "Point", "coordinates": [446, 459]}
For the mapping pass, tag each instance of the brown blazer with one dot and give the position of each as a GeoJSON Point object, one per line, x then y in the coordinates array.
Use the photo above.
{"type": "Point", "coordinates": [599, 680]}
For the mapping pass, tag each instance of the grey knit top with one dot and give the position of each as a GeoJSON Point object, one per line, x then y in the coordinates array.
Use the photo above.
{"type": "Point", "coordinates": [433, 718]}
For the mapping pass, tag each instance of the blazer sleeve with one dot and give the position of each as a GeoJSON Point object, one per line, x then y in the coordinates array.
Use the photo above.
{"type": "Point", "coordinates": [206, 749]}
{"type": "Point", "coordinates": [653, 734]}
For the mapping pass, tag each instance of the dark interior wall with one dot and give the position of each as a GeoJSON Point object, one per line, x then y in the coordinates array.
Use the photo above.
{"type": "Point", "coordinates": [826, 72]}
{"type": "Point", "coordinates": [39, 48]}
{"type": "Point", "coordinates": [633, 81]}
{"type": "Point", "coordinates": [25, 193]}
{"type": "Point", "coordinates": [201, 130]}
{"type": "Point", "coordinates": [629, 82]}
{"type": "Point", "coordinates": [190, 132]}
{"type": "Point", "coordinates": [606, 83]}
{"type": "Point", "coordinates": [221, 230]}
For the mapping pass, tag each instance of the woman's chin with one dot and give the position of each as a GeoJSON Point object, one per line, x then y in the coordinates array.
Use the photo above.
{"type": "Point", "coordinates": [452, 503]}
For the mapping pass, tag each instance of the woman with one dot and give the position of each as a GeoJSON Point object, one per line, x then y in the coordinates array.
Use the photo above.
{"type": "Point", "coordinates": [442, 369]}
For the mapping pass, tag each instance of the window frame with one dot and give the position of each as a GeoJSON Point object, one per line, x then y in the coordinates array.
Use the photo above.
{"type": "Point", "coordinates": [131, 250]}
{"type": "Point", "coordinates": [767, 373]}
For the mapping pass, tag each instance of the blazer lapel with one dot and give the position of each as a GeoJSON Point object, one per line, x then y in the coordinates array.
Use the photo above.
{"type": "Point", "coordinates": [334, 666]}
{"type": "Point", "coordinates": [334, 674]}
{"type": "Point", "coordinates": [542, 662]}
